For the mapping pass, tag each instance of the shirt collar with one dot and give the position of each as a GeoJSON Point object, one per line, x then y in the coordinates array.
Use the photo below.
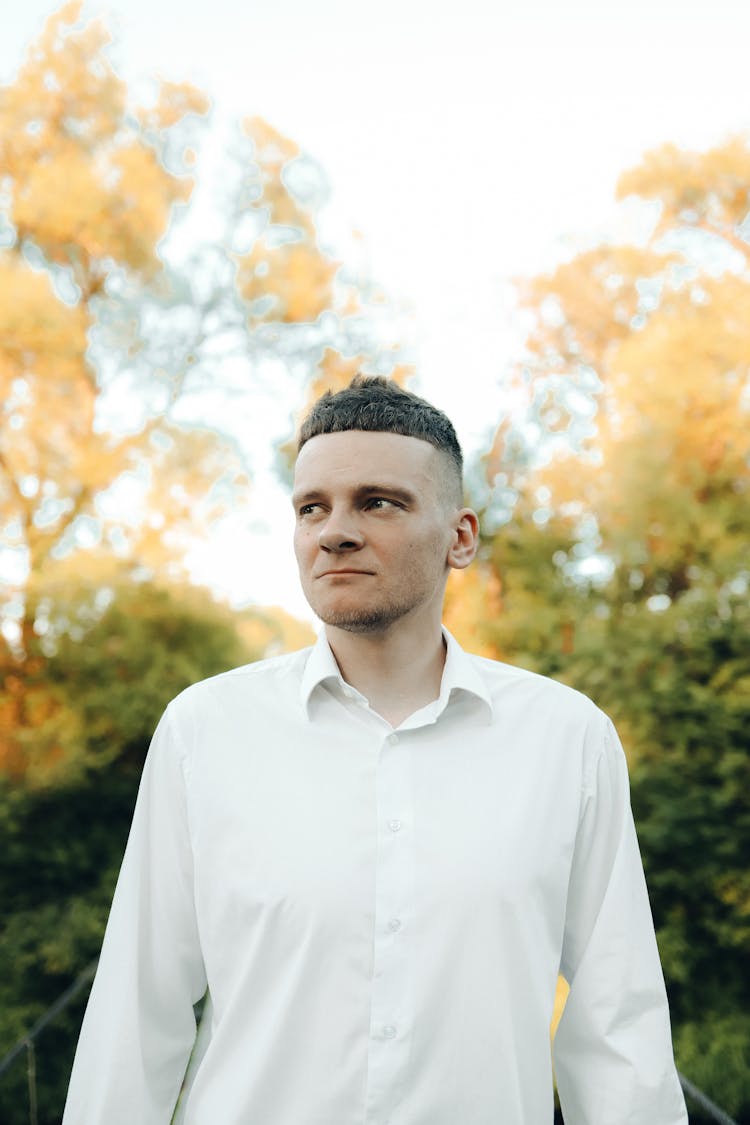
{"type": "Point", "coordinates": [320, 666]}
{"type": "Point", "coordinates": [459, 673]}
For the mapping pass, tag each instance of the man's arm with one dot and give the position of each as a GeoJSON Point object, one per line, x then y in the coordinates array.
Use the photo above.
{"type": "Point", "coordinates": [139, 1027]}
{"type": "Point", "coordinates": [613, 1048]}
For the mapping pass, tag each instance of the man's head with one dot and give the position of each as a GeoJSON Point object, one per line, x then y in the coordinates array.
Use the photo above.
{"type": "Point", "coordinates": [377, 405]}
{"type": "Point", "coordinates": [377, 499]}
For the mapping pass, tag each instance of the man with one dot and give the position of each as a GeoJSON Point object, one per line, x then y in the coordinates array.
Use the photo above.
{"type": "Point", "coordinates": [376, 854]}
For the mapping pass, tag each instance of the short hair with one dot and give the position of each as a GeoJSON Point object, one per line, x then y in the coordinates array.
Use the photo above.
{"type": "Point", "coordinates": [379, 405]}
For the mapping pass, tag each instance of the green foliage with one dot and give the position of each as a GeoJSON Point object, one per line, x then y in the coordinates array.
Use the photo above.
{"type": "Point", "coordinates": [146, 648]}
{"type": "Point", "coordinates": [540, 603]}
{"type": "Point", "coordinates": [714, 1052]}
{"type": "Point", "coordinates": [677, 683]}
{"type": "Point", "coordinates": [62, 843]}
{"type": "Point", "coordinates": [624, 567]}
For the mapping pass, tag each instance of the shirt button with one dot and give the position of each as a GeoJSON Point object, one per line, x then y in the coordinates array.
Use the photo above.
{"type": "Point", "coordinates": [389, 1031]}
{"type": "Point", "coordinates": [394, 924]}
{"type": "Point", "coordinates": [394, 825]}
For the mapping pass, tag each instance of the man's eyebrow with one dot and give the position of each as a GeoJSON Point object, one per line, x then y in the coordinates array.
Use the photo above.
{"type": "Point", "coordinates": [395, 490]}
{"type": "Point", "coordinates": [307, 497]}
{"type": "Point", "coordinates": [398, 492]}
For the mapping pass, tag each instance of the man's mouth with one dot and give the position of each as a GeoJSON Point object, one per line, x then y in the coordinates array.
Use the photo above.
{"type": "Point", "coordinates": [343, 571]}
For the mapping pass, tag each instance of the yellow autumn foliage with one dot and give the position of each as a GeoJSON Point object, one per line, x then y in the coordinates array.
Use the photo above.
{"type": "Point", "coordinates": [37, 330]}
{"type": "Point", "coordinates": [561, 995]}
{"type": "Point", "coordinates": [711, 186]}
{"type": "Point", "coordinates": [472, 601]}
{"type": "Point", "coordinates": [86, 194]}
{"type": "Point", "coordinates": [83, 185]}
{"type": "Point", "coordinates": [294, 279]}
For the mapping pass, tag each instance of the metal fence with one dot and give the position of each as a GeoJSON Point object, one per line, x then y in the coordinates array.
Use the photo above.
{"type": "Point", "coordinates": [25, 1045]}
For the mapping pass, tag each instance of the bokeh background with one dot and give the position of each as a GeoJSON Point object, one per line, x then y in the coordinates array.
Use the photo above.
{"type": "Point", "coordinates": [536, 216]}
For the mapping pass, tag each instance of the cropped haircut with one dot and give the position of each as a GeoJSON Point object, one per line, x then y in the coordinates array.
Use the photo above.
{"type": "Point", "coordinates": [378, 405]}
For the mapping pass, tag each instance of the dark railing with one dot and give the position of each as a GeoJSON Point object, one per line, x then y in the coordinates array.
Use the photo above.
{"type": "Point", "coordinates": [26, 1044]}
{"type": "Point", "coordinates": [703, 1100]}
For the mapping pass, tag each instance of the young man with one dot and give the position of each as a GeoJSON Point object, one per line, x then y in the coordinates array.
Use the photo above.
{"type": "Point", "coordinates": [376, 854]}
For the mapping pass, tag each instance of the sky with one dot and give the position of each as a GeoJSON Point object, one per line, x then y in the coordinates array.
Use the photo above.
{"type": "Point", "coordinates": [469, 142]}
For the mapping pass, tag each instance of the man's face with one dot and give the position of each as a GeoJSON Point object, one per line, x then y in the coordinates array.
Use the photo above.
{"type": "Point", "coordinates": [374, 526]}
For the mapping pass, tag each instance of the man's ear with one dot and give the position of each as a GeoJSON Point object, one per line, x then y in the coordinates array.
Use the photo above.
{"type": "Point", "coordinates": [465, 539]}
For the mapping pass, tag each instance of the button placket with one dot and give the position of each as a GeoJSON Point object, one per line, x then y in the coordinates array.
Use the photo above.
{"type": "Point", "coordinates": [391, 998]}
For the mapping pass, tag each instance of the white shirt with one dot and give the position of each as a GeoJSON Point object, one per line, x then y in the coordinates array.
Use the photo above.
{"type": "Point", "coordinates": [379, 915]}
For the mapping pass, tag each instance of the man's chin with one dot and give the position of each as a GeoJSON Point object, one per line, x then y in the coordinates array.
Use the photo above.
{"type": "Point", "coordinates": [360, 619]}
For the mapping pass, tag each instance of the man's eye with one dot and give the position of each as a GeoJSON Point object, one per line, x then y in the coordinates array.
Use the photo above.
{"type": "Point", "coordinates": [308, 509]}
{"type": "Point", "coordinates": [379, 502]}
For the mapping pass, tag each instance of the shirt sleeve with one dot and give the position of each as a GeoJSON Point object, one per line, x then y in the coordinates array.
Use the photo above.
{"type": "Point", "coordinates": [613, 1048]}
{"type": "Point", "coordinates": [139, 1026]}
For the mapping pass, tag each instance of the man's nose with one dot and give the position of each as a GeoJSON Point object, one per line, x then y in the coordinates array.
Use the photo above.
{"type": "Point", "coordinates": [340, 533]}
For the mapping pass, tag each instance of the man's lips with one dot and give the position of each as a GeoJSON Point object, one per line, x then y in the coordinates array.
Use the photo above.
{"type": "Point", "coordinates": [342, 571]}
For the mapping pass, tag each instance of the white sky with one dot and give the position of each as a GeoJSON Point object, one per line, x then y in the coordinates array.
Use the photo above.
{"type": "Point", "coordinates": [469, 142]}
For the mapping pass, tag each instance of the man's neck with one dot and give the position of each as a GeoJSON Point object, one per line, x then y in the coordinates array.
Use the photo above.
{"type": "Point", "coordinates": [397, 670]}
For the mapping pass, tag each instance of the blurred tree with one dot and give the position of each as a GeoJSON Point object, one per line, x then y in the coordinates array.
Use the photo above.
{"type": "Point", "coordinates": [114, 340]}
{"type": "Point", "coordinates": [622, 495]}
{"type": "Point", "coordinates": [473, 599]}
{"type": "Point", "coordinates": [86, 198]}
{"type": "Point", "coordinates": [272, 630]}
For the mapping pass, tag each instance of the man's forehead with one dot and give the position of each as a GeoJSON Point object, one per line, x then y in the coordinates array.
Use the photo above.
{"type": "Point", "coordinates": [348, 448]}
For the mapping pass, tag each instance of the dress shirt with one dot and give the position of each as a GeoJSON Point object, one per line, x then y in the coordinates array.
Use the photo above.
{"type": "Point", "coordinates": [378, 914]}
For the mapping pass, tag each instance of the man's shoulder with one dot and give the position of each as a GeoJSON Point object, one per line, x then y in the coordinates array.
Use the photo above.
{"type": "Point", "coordinates": [527, 688]}
{"type": "Point", "coordinates": [271, 674]}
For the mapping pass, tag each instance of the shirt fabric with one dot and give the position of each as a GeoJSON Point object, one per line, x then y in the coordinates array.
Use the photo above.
{"type": "Point", "coordinates": [379, 915]}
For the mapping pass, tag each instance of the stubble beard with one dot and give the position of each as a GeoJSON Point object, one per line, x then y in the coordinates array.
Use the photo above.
{"type": "Point", "coordinates": [362, 620]}
{"type": "Point", "coordinates": [365, 619]}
